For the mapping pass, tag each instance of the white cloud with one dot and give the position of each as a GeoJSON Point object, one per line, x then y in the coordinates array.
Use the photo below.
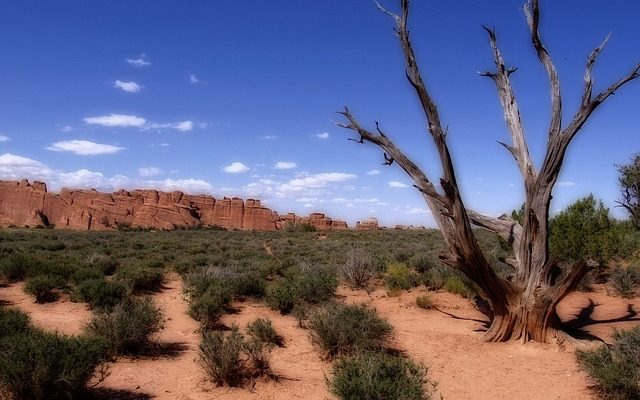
{"type": "Point", "coordinates": [419, 211]}
{"type": "Point", "coordinates": [566, 183]}
{"type": "Point", "coordinates": [193, 78]}
{"type": "Point", "coordinates": [84, 147]}
{"type": "Point", "coordinates": [116, 120]}
{"type": "Point", "coordinates": [139, 62]}
{"type": "Point", "coordinates": [146, 172]}
{"type": "Point", "coordinates": [17, 167]}
{"type": "Point", "coordinates": [306, 183]}
{"type": "Point", "coordinates": [236, 168]}
{"type": "Point", "coordinates": [190, 185]}
{"type": "Point", "coordinates": [396, 184]}
{"type": "Point", "coordinates": [4, 138]}
{"type": "Point", "coordinates": [129, 87]}
{"type": "Point", "coordinates": [285, 165]}
{"type": "Point", "coordinates": [323, 135]}
{"type": "Point", "coordinates": [269, 137]}
{"type": "Point", "coordinates": [373, 172]}
{"type": "Point", "coordinates": [67, 128]}
{"type": "Point", "coordinates": [164, 144]}
{"type": "Point", "coordinates": [82, 178]}
{"type": "Point", "coordinates": [183, 126]}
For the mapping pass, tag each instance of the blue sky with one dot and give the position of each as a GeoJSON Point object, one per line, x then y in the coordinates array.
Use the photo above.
{"type": "Point", "coordinates": [239, 98]}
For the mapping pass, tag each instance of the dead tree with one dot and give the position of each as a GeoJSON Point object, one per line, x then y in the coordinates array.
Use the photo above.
{"type": "Point", "coordinates": [523, 307]}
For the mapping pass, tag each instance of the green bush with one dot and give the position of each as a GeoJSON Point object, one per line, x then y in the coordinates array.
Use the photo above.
{"type": "Point", "coordinates": [13, 322]}
{"type": "Point", "coordinates": [615, 368]}
{"type": "Point", "coordinates": [282, 296]}
{"type": "Point", "coordinates": [434, 278]}
{"type": "Point", "coordinates": [42, 287]}
{"type": "Point", "coordinates": [625, 281]}
{"type": "Point", "coordinates": [141, 279]}
{"type": "Point", "coordinates": [425, 301]}
{"type": "Point", "coordinates": [101, 294]}
{"type": "Point", "coordinates": [39, 365]}
{"type": "Point", "coordinates": [457, 284]}
{"type": "Point", "coordinates": [262, 330]}
{"type": "Point", "coordinates": [129, 326]}
{"type": "Point", "coordinates": [421, 262]}
{"type": "Point", "coordinates": [211, 305]}
{"type": "Point", "coordinates": [357, 269]}
{"type": "Point", "coordinates": [304, 285]}
{"type": "Point", "coordinates": [399, 277]}
{"type": "Point", "coordinates": [16, 266]}
{"type": "Point", "coordinates": [375, 376]}
{"type": "Point", "coordinates": [345, 329]}
{"type": "Point", "coordinates": [85, 273]}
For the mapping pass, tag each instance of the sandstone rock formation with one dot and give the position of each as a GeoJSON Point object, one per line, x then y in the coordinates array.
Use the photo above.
{"type": "Point", "coordinates": [30, 204]}
{"type": "Point", "coordinates": [370, 224]}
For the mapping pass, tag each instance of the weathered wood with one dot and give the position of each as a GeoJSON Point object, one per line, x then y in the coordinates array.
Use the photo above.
{"type": "Point", "coordinates": [524, 307]}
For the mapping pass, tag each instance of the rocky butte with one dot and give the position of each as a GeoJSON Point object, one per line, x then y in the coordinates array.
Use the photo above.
{"type": "Point", "coordinates": [30, 204]}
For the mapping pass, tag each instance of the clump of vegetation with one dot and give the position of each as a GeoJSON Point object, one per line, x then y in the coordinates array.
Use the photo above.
{"type": "Point", "coordinates": [435, 277]}
{"type": "Point", "coordinates": [263, 331]}
{"type": "Point", "coordinates": [229, 359]}
{"type": "Point", "coordinates": [357, 269]}
{"type": "Point", "coordinates": [210, 305]}
{"type": "Point", "coordinates": [625, 281]}
{"type": "Point", "coordinates": [129, 326]}
{"type": "Point", "coordinates": [615, 368]}
{"type": "Point", "coordinates": [16, 266]}
{"type": "Point", "coordinates": [425, 302]}
{"type": "Point", "coordinates": [42, 287]}
{"type": "Point", "coordinates": [342, 329]}
{"type": "Point", "coordinates": [141, 279]}
{"type": "Point", "coordinates": [304, 284]}
{"type": "Point", "coordinates": [101, 294]}
{"type": "Point", "coordinates": [399, 277]}
{"type": "Point", "coordinates": [39, 365]}
{"type": "Point", "coordinates": [379, 376]}
{"type": "Point", "coordinates": [421, 262]}
{"type": "Point", "coordinates": [457, 284]}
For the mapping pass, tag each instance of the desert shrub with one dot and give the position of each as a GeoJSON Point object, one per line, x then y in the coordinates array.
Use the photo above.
{"type": "Point", "coordinates": [305, 285]}
{"type": "Point", "coordinates": [141, 279]}
{"type": "Point", "coordinates": [229, 359]}
{"type": "Point", "coordinates": [209, 307]}
{"type": "Point", "coordinates": [421, 262]}
{"type": "Point", "coordinates": [39, 365]}
{"type": "Point", "coordinates": [262, 330]}
{"type": "Point", "coordinates": [357, 268]}
{"type": "Point", "coordinates": [42, 287]}
{"type": "Point", "coordinates": [129, 326]}
{"type": "Point", "coordinates": [625, 281]}
{"type": "Point", "coordinates": [106, 264]}
{"type": "Point", "coordinates": [425, 301]}
{"type": "Point", "coordinates": [13, 322]}
{"type": "Point", "coordinates": [375, 376]}
{"type": "Point", "coordinates": [434, 278]}
{"type": "Point", "coordinates": [346, 329]}
{"type": "Point", "coordinates": [457, 284]}
{"type": "Point", "coordinates": [16, 266]}
{"type": "Point", "coordinates": [101, 294]}
{"type": "Point", "coordinates": [85, 273]}
{"type": "Point", "coordinates": [399, 277]}
{"type": "Point", "coordinates": [615, 368]}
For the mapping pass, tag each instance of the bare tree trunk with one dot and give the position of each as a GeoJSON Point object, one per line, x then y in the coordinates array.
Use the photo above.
{"type": "Point", "coordinates": [524, 307]}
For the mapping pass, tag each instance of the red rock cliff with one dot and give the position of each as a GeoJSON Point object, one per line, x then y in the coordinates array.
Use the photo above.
{"type": "Point", "coordinates": [29, 204]}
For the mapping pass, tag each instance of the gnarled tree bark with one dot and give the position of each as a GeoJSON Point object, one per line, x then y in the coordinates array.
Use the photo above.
{"type": "Point", "coordinates": [523, 307]}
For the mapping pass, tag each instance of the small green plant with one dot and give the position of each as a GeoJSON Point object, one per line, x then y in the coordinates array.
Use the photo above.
{"type": "Point", "coordinates": [282, 296]}
{"type": "Point", "coordinates": [13, 322]}
{"type": "Point", "coordinates": [37, 365]}
{"type": "Point", "coordinates": [379, 376]}
{"type": "Point", "coordinates": [615, 368]}
{"type": "Point", "coordinates": [305, 284]}
{"type": "Point", "coordinates": [625, 281]}
{"type": "Point", "coordinates": [262, 330]}
{"type": "Point", "coordinates": [16, 266]}
{"type": "Point", "coordinates": [101, 294]}
{"type": "Point", "coordinates": [141, 279]}
{"type": "Point", "coordinates": [434, 278]}
{"type": "Point", "coordinates": [399, 277]}
{"type": "Point", "coordinates": [421, 262]}
{"type": "Point", "coordinates": [42, 287]}
{"type": "Point", "coordinates": [346, 329]}
{"type": "Point", "coordinates": [456, 284]}
{"type": "Point", "coordinates": [425, 302]}
{"type": "Point", "coordinates": [129, 326]}
{"type": "Point", "coordinates": [357, 269]}
{"type": "Point", "coordinates": [211, 305]}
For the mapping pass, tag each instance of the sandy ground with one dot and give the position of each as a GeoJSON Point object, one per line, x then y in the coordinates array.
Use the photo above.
{"type": "Point", "coordinates": [448, 340]}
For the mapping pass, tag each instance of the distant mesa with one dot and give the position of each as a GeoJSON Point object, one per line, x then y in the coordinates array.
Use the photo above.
{"type": "Point", "coordinates": [370, 224]}
{"type": "Point", "coordinates": [26, 204]}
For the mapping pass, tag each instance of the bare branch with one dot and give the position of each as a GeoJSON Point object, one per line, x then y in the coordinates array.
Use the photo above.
{"type": "Point", "coordinates": [532, 11]}
{"type": "Point", "coordinates": [588, 80]}
{"type": "Point", "coordinates": [501, 78]}
{"type": "Point", "coordinates": [504, 226]}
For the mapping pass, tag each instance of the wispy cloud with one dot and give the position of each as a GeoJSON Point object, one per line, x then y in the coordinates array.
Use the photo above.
{"type": "Point", "coordinates": [13, 166]}
{"type": "Point", "coordinates": [236, 168]}
{"type": "Point", "coordinates": [396, 184]}
{"type": "Point", "coordinates": [419, 211]}
{"type": "Point", "coordinates": [129, 87]}
{"type": "Point", "coordinates": [323, 135]}
{"type": "Point", "coordinates": [314, 181]}
{"type": "Point", "coordinates": [84, 147]}
{"type": "Point", "coordinates": [116, 120]}
{"type": "Point", "coordinates": [147, 172]}
{"type": "Point", "coordinates": [373, 172]}
{"type": "Point", "coordinates": [566, 183]}
{"type": "Point", "coordinates": [194, 79]}
{"type": "Point", "coordinates": [285, 165]}
{"type": "Point", "coordinates": [181, 126]}
{"type": "Point", "coordinates": [269, 137]}
{"type": "Point", "coordinates": [139, 62]}
{"type": "Point", "coordinates": [67, 129]}
{"type": "Point", "coordinates": [4, 138]}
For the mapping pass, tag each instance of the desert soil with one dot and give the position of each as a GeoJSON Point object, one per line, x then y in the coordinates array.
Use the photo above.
{"type": "Point", "coordinates": [448, 340]}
